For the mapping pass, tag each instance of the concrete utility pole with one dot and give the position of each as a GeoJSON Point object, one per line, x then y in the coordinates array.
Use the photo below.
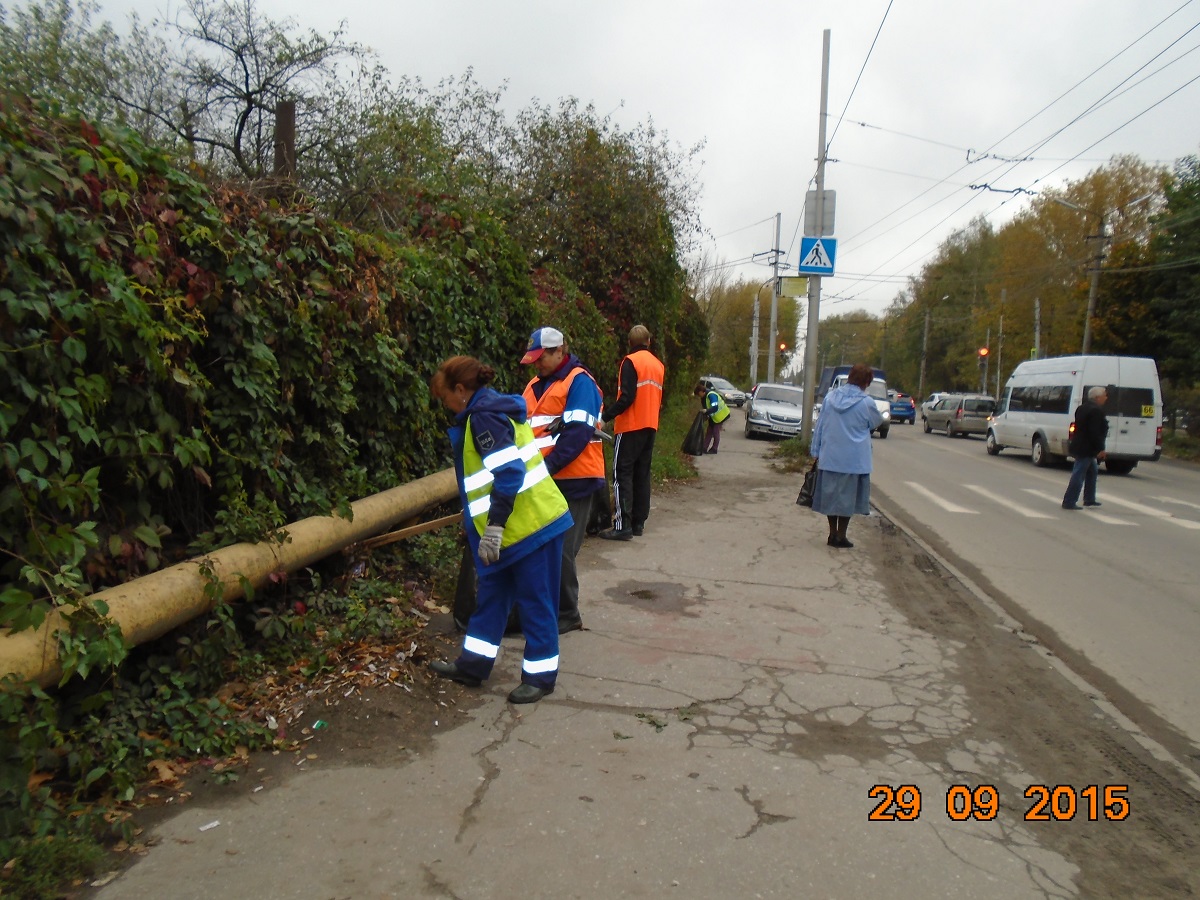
{"type": "Point", "coordinates": [774, 301]}
{"type": "Point", "coordinates": [754, 344]}
{"type": "Point", "coordinates": [999, 354]}
{"type": "Point", "coordinates": [924, 353]}
{"type": "Point", "coordinates": [1000, 342]}
{"type": "Point", "coordinates": [1037, 327]}
{"type": "Point", "coordinates": [983, 363]}
{"type": "Point", "coordinates": [1094, 288]}
{"type": "Point", "coordinates": [814, 281]}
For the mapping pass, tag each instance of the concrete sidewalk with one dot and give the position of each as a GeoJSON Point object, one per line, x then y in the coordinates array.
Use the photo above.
{"type": "Point", "coordinates": [719, 727]}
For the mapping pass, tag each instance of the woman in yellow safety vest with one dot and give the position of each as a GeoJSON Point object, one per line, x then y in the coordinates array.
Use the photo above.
{"type": "Point", "coordinates": [717, 411]}
{"type": "Point", "coordinates": [515, 518]}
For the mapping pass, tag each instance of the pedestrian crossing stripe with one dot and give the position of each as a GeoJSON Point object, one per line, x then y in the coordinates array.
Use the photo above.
{"type": "Point", "coordinates": [1091, 515]}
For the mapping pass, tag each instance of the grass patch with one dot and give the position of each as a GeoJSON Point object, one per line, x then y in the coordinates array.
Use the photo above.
{"type": "Point", "coordinates": [668, 463]}
{"type": "Point", "coordinates": [1178, 444]}
{"type": "Point", "coordinates": [791, 455]}
{"type": "Point", "coordinates": [39, 868]}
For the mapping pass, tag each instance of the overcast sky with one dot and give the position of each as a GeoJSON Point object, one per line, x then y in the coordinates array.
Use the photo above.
{"type": "Point", "coordinates": [925, 98]}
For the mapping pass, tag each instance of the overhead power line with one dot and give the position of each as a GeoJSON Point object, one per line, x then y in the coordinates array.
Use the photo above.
{"type": "Point", "coordinates": [1011, 165]}
{"type": "Point", "coordinates": [862, 69]}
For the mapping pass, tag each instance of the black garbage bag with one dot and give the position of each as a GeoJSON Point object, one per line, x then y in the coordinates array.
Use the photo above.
{"type": "Point", "coordinates": [693, 444]}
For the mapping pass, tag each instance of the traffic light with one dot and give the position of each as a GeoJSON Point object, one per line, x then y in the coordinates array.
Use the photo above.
{"type": "Point", "coordinates": [983, 368]}
{"type": "Point", "coordinates": [782, 346]}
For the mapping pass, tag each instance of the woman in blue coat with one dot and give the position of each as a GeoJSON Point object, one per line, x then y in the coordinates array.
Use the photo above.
{"type": "Point", "coordinates": [841, 447]}
{"type": "Point", "coordinates": [515, 518]}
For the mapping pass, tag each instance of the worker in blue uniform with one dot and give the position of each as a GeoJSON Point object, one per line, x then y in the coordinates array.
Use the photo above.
{"type": "Point", "coordinates": [515, 518]}
{"type": "Point", "coordinates": [564, 405]}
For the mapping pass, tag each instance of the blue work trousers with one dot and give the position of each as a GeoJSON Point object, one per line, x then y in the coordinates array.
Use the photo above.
{"type": "Point", "coordinates": [532, 584]}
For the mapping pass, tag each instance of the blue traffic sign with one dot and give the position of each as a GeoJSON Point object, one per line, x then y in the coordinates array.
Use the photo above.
{"type": "Point", "coordinates": [817, 255]}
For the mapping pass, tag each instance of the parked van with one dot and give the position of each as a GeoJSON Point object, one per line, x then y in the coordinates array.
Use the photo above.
{"type": "Point", "coordinates": [1040, 399]}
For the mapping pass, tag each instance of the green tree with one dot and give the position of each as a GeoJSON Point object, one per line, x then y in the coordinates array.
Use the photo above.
{"type": "Point", "coordinates": [1176, 302]}
{"type": "Point", "coordinates": [728, 310]}
{"type": "Point", "coordinates": [952, 293]}
{"type": "Point", "coordinates": [52, 50]}
{"type": "Point", "coordinates": [1124, 194]}
{"type": "Point", "coordinates": [605, 207]}
{"type": "Point", "coordinates": [375, 143]}
{"type": "Point", "coordinates": [207, 84]}
{"type": "Point", "coordinates": [1029, 280]}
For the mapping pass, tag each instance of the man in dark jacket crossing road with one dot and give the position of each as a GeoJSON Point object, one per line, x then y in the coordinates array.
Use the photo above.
{"type": "Point", "coordinates": [1088, 435]}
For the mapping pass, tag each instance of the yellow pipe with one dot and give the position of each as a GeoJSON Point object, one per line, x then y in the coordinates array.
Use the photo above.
{"type": "Point", "coordinates": [152, 605]}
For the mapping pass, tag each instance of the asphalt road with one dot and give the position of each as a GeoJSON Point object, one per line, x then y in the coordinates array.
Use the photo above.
{"type": "Point", "coordinates": [748, 713]}
{"type": "Point", "coordinates": [1114, 587]}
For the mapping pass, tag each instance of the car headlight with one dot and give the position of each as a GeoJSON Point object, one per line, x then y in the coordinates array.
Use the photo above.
{"type": "Point", "coordinates": [887, 415]}
{"type": "Point", "coordinates": [755, 416]}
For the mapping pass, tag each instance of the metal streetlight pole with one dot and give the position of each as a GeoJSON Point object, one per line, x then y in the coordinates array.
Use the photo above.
{"type": "Point", "coordinates": [754, 334]}
{"type": "Point", "coordinates": [774, 299]}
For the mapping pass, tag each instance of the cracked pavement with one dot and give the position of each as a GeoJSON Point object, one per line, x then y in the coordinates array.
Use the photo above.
{"type": "Point", "coordinates": [739, 692]}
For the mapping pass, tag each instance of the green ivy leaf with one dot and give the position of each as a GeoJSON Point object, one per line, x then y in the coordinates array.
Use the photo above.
{"type": "Point", "coordinates": [147, 536]}
{"type": "Point", "coordinates": [74, 348]}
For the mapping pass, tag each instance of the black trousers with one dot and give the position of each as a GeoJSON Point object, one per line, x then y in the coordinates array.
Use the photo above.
{"type": "Point", "coordinates": [632, 452]}
{"type": "Point", "coordinates": [568, 584]}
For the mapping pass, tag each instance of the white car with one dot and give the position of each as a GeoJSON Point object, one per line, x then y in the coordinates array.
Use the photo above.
{"type": "Point", "coordinates": [776, 410]}
{"type": "Point", "coordinates": [877, 390]}
{"type": "Point", "coordinates": [928, 402]}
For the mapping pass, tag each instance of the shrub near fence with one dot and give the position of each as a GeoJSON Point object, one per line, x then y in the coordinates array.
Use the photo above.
{"type": "Point", "coordinates": [183, 367]}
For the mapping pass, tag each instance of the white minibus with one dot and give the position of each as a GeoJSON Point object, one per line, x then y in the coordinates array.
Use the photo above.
{"type": "Point", "coordinates": [1040, 399]}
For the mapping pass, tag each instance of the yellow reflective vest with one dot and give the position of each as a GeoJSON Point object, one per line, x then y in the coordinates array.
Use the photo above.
{"type": "Point", "coordinates": [538, 503]}
{"type": "Point", "coordinates": [722, 412]}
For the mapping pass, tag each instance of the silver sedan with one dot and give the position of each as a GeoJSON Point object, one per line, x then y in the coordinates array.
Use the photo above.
{"type": "Point", "coordinates": [776, 410]}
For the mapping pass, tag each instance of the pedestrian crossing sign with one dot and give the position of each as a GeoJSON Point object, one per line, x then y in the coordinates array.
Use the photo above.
{"type": "Point", "coordinates": [817, 256]}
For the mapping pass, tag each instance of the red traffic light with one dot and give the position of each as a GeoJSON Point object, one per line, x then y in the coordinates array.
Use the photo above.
{"type": "Point", "coordinates": [983, 351]}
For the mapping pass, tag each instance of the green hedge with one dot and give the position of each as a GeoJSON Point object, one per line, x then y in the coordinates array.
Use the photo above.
{"type": "Point", "coordinates": [183, 366]}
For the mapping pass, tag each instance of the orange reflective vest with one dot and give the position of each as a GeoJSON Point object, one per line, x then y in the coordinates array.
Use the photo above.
{"type": "Point", "coordinates": [553, 406]}
{"type": "Point", "coordinates": [647, 402]}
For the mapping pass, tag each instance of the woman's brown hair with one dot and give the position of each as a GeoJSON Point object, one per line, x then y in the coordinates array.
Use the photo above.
{"type": "Point", "coordinates": [861, 375]}
{"type": "Point", "coordinates": [464, 370]}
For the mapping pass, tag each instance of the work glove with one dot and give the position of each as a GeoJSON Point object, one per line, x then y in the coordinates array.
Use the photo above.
{"type": "Point", "coordinates": [489, 544]}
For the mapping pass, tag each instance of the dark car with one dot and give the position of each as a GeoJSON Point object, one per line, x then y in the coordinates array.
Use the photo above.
{"type": "Point", "coordinates": [903, 407]}
{"type": "Point", "coordinates": [733, 397]}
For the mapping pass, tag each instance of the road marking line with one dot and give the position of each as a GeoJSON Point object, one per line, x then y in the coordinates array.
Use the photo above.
{"type": "Point", "coordinates": [1151, 511]}
{"type": "Point", "coordinates": [1092, 514]}
{"type": "Point", "coordinates": [1176, 500]}
{"type": "Point", "coordinates": [1016, 507]}
{"type": "Point", "coordinates": [944, 504]}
